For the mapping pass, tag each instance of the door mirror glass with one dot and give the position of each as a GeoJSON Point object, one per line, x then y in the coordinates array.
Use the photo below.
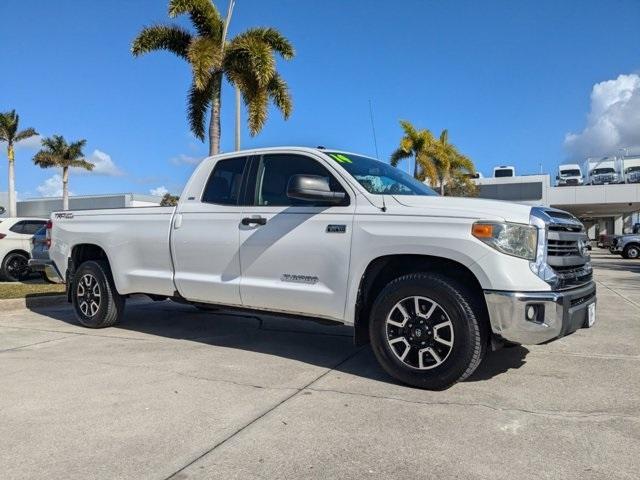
{"type": "Point", "coordinates": [312, 188]}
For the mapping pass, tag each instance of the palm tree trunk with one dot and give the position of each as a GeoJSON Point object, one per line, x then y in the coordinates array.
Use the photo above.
{"type": "Point", "coordinates": [65, 188]}
{"type": "Point", "coordinates": [214, 124]}
{"type": "Point", "coordinates": [12, 182]}
{"type": "Point", "coordinates": [415, 168]}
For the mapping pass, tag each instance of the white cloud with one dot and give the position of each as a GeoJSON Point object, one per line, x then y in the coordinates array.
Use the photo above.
{"type": "Point", "coordinates": [160, 191]}
{"type": "Point", "coordinates": [183, 159]}
{"type": "Point", "coordinates": [104, 165]}
{"type": "Point", "coordinates": [613, 122]}
{"type": "Point", "coordinates": [51, 187]}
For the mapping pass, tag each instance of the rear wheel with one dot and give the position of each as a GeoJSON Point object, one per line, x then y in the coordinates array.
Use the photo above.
{"type": "Point", "coordinates": [426, 332]}
{"type": "Point", "coordinates": [631, 251]}
{"type": "Point", "coordinates": [15, 267]}
{"type": "Point", "coordinates": [95, 300]}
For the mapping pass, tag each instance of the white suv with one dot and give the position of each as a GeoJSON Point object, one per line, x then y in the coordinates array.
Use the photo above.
{"type": "Point", "coordinates": [15, 245]}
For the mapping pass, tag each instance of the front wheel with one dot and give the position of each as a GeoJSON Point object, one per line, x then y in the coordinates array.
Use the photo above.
{"type": "Point", "coordinates": [15, 267]}
{"type": "Point", "coordinates": [631, 251]}
{"type": "Point", "coordinates": [95, 300]}
{"type": "Point", "coordinates": [426, 331]}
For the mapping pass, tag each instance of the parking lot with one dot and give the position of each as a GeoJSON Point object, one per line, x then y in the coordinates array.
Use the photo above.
{"type": "Point", "coordinates": [174, 392]}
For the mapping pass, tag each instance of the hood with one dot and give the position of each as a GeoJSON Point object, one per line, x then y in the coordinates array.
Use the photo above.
{"type": "Point", "coordinates": [475, 208]}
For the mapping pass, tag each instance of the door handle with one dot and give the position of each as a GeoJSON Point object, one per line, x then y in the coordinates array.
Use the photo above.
{"type": "Point", "coordinates": [254, 220]}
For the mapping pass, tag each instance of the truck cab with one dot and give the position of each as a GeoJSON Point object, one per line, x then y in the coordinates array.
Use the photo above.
{"type": "Point", "coordinates": [569, 175]}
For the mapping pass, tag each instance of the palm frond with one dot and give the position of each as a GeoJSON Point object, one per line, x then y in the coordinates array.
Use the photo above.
{"type": "Point", "coordinates": [272, 37]}
{"type": "Point", "coordinates": [205, 56]}
{"type": "Point", "coordinates": [198, 102]}
{"type": "Point", "coordinates": [81, 163]}
{"type": "Point", "coordinates": [279, 93]}
{"type": "Point", "coordinates": [45, 159]}
{"type": "Point", "coordinates": [252, 56]}
{"type": "Point", "coordinates": [162, 37]}
{"type": "Point", "coordinates": [24, 134]}
{"type": "Point", "coordinates": [203, 14]}
{"type": "Point", "coordinates": [399, 154]}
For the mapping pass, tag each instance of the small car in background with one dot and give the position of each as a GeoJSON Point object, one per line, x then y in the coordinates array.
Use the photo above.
{"type": "Point", "coordinates": [15, 247]}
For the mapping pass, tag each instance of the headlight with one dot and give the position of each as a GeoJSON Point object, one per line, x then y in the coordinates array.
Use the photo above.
{"type": "Point", "coordinates": [510, 238]}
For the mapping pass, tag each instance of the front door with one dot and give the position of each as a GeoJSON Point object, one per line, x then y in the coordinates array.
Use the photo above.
{"type": "Point", "coordinates": [206, 238]}
{"type": "Point", "coordinates": [294, 255]}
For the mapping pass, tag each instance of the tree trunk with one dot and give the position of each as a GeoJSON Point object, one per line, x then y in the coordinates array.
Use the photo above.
{"type": "Point", "coordinates": [214, 124]}
{"type": "Point", "coordinates": [12, 182]}
{"type": "Point", "coordinates": [65, 188]}
{"type": "Point", "coordinates": [415, 168]}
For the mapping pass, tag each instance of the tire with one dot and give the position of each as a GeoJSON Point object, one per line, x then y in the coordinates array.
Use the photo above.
{"type": "Point", "coordinates": [15, 267]}
{"type": "Point", "coordinates": [96, 302]}
{"type": "Point", "coordinates": [631, 251]}
{"type": "Point", "coordinates": [442, 301]}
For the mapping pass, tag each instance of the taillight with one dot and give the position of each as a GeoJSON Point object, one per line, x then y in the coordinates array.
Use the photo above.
{"type": "Point", "coordinates": [49, 226]}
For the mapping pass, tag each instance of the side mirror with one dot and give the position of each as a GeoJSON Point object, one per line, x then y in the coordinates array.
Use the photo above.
{"type": "Point", "coordinates": [312, 188]}
{"type": "Point", "coordinates": [2, 210]}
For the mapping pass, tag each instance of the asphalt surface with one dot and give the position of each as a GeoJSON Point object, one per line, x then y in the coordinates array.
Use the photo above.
{"type": "Point", "coordinates": [174, 392]}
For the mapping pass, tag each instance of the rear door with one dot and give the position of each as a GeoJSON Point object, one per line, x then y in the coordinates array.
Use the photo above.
{"type": "Point", "coordinates": [294, 255]}
{"type": "Point", "coordinates": [205, 238]}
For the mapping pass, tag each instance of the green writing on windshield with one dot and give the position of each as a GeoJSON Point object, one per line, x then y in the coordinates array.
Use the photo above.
{"type": "Point", "coordinates": [338, 157]}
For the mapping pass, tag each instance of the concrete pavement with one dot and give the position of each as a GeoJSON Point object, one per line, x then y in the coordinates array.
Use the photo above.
{"type": "Point", "coordinates": [174, 392]}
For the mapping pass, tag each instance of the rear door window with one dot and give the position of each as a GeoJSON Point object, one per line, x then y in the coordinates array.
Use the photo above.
{"type": "Point", "coordinates": [225, 182]}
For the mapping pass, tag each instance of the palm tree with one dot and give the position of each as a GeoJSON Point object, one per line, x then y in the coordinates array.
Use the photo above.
{"type": "Point", "coordinates": [56, 152]}
{"type": "Point", "coordinates": [449, 161]}
{"type": "Point", "coordinates": [247, 62]}
{"type": "Point", "coordinates": [418, 144]}
{"type": "Point", "coordinates": [9, 133]}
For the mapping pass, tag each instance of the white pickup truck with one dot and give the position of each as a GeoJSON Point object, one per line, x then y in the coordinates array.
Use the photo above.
{"type": "Point", "coordinates": [431, 282]}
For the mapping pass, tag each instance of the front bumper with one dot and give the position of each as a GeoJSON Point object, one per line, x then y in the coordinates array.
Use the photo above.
{"type": "Point", "coordinates": [556, 313]}
{"type": "Point", "coordinates": [48, 267]}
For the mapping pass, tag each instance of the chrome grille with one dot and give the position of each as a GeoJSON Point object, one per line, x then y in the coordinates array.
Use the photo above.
{"type": "Point", "coordinates": [563, 264]}
{"type": "Point", "coordinates": [562, 248]}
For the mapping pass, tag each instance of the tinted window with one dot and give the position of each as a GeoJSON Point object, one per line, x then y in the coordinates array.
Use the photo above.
{"type": "Point", "coordinates": [274, 172]}
{"type": "Point", "coordinates": [17, 227]}
{"type": "Point", "coordinates": [225, 182]}
{"type": "Point", "coordinates": [503, 172]}
{"type": "Point", "coordinates": [30, 227]}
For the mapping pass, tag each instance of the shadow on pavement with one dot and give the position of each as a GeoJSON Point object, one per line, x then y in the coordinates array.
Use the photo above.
{"type": "Point", "coordinates": [326, 346]}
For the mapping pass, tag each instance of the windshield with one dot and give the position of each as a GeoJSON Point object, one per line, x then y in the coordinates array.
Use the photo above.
{"type": "Point", "coordinates": [600, 171]}
{"type": "Point", "coordinates": [633, 169]}
{"type": "Point", "coordinates": [379, 177]}
{"type": "Point", "coordinates": [503, 172]}
{"type": "Point", "coordinates": [570, 173]}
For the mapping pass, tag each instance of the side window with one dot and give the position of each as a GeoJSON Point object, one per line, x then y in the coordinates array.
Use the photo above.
{"type": "Point", "coordinates": [31, 227]}
{"type": "Point", "coordinates": [225, 182]}
{"type": "Point", "coordinates": [18, 227]}
{"type": "Point", "coordinates": [273, 177]}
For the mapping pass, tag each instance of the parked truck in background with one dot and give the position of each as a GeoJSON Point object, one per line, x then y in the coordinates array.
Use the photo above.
{"type": "Point", "coordinates": [603, 171]}
{"type": "Point", "coordinates": [431, 282]}
{"type": "Point", "coordinates": [631, 169]}
{"type": "Point", "coordinates": [569, 174]}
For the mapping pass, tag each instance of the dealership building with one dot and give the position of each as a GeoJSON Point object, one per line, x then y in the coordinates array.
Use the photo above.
{"type": "Point", "coordinates": [604, 209]}
{"type": "Point", "coordinates": [43, 207]}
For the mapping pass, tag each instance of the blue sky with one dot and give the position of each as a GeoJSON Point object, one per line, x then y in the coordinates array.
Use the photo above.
{"type": "Point", "coordinates": [509, 79]}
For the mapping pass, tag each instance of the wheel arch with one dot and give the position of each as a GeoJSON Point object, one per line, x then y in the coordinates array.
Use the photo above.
{"type": "Point", "coordinates": [16, 250]}
{"type": "Point", "coordinates": [381, 270]}
{"type": "Point", "coordinates": [80, 253]}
